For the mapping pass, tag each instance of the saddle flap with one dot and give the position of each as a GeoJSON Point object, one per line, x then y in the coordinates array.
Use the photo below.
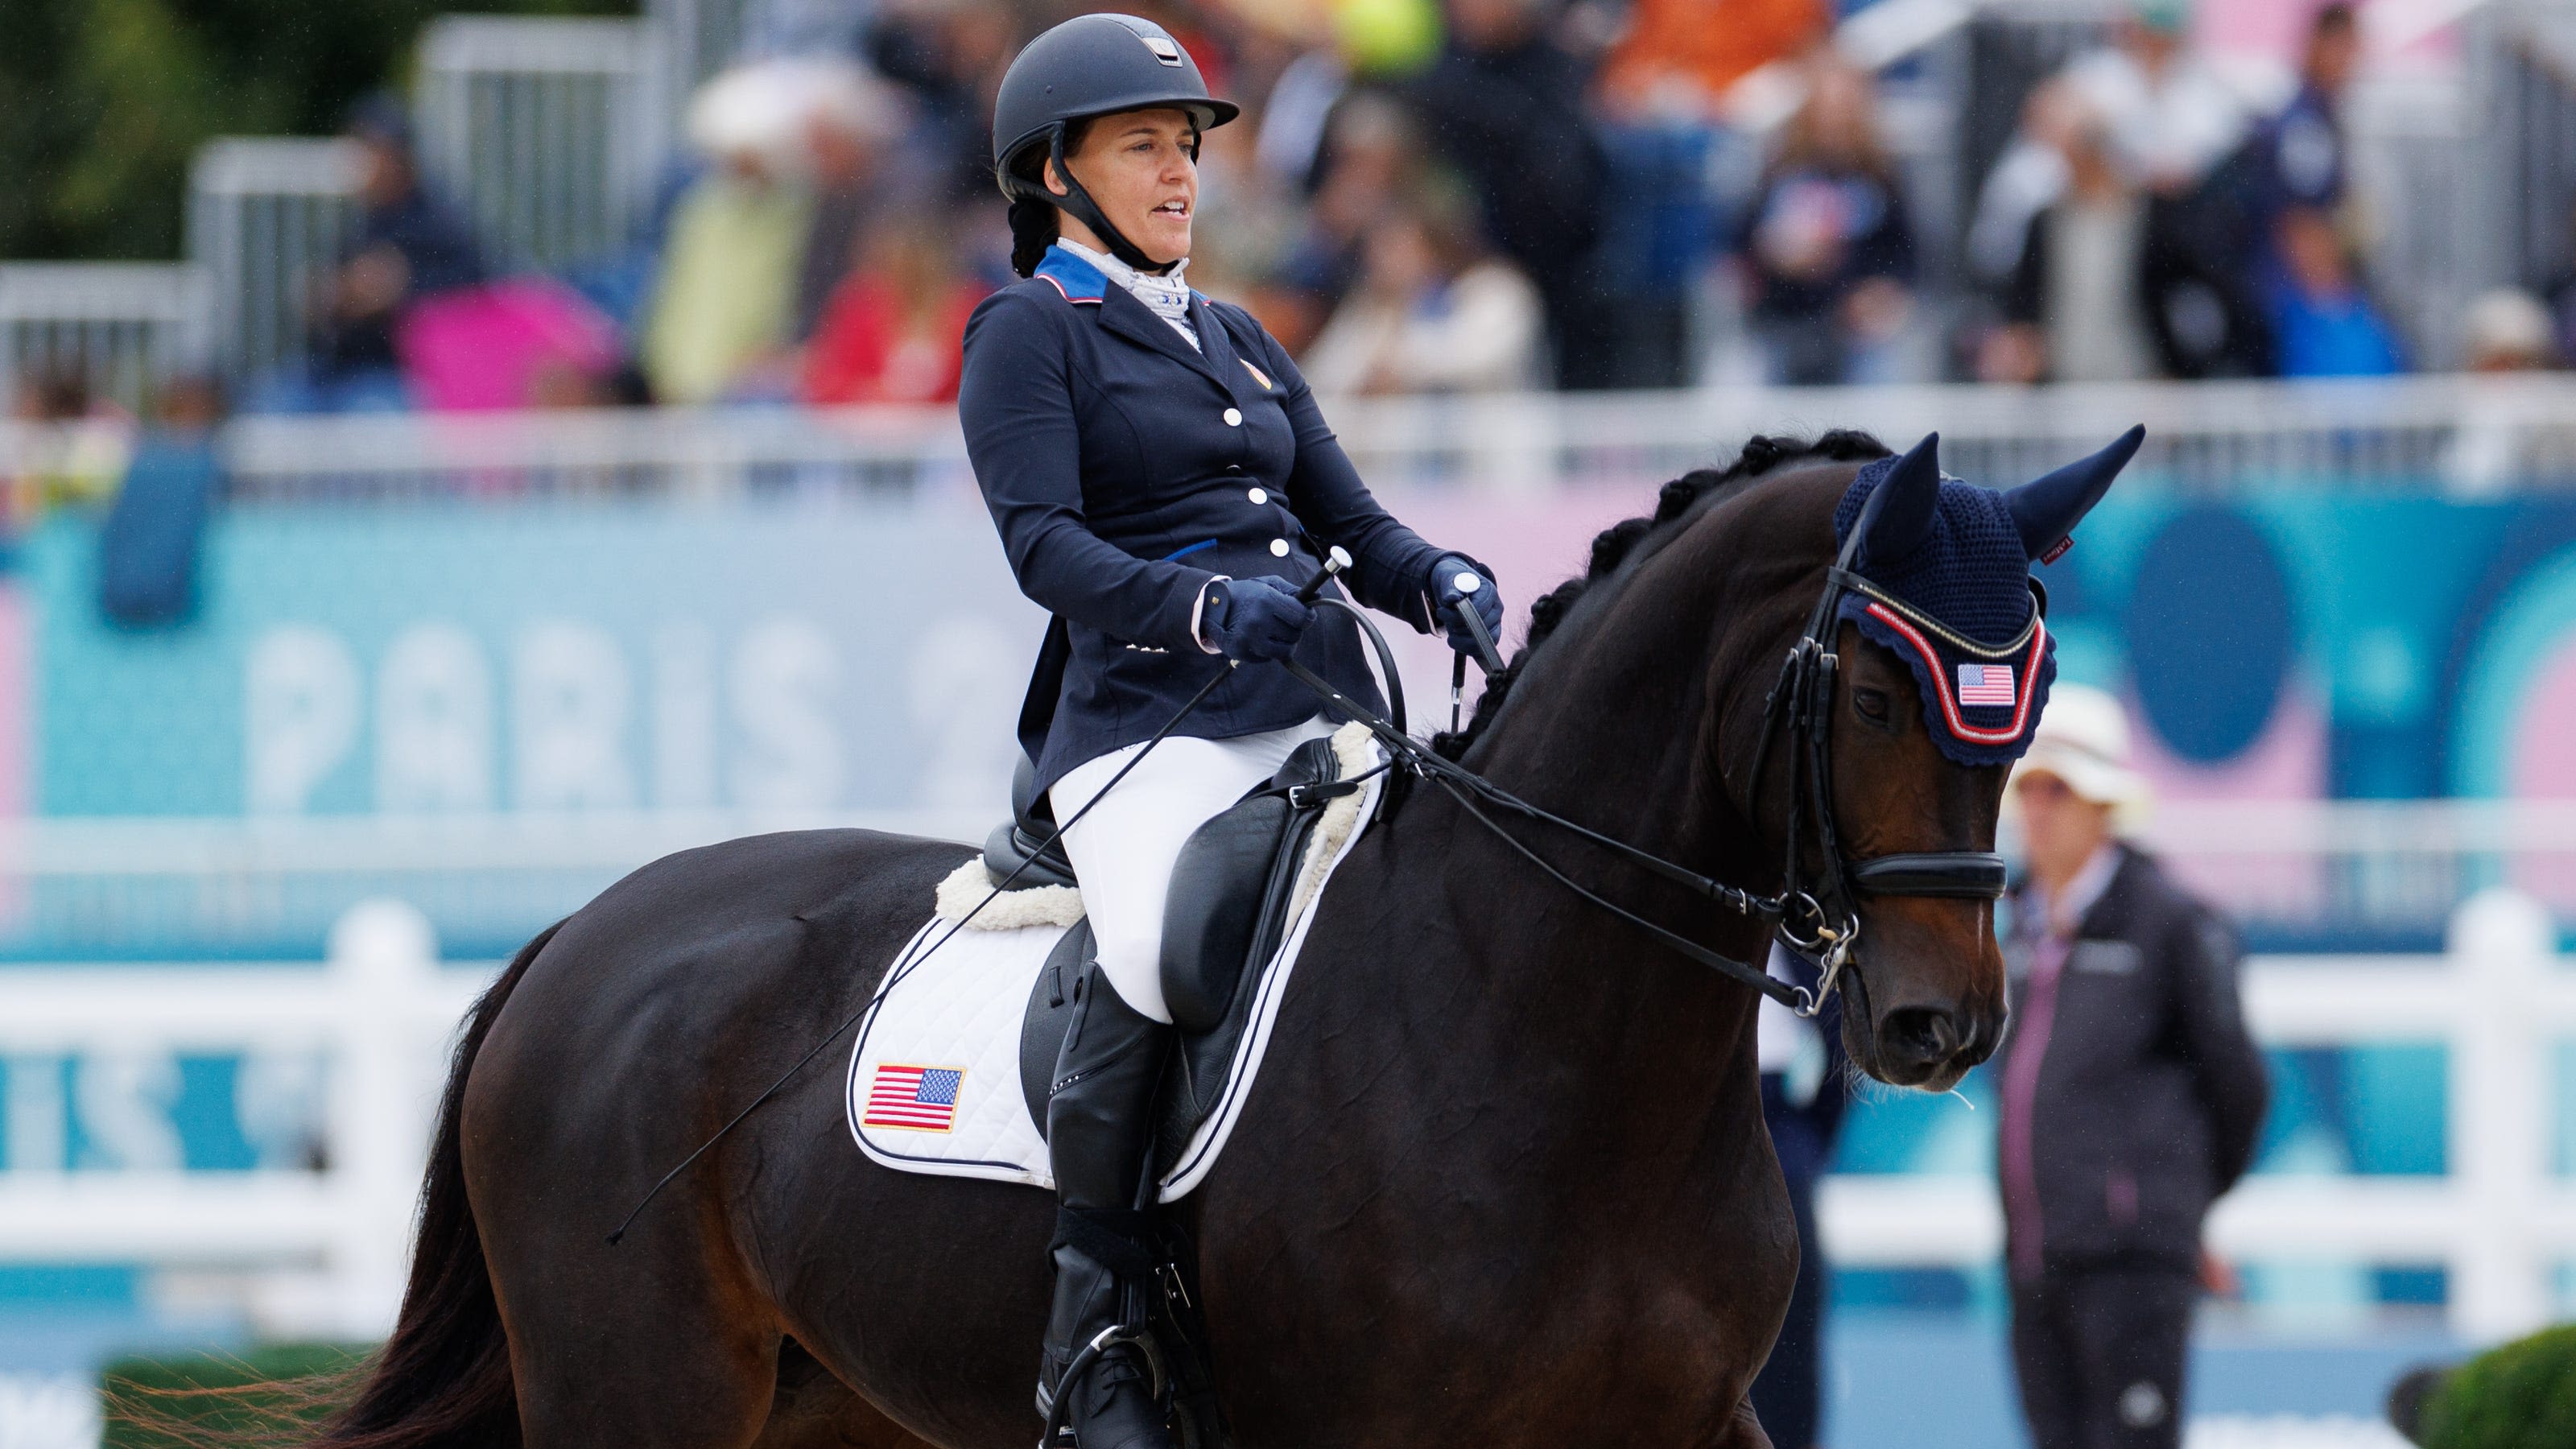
{"type": "Point", "coordinates": [1230, 887]}
{"type": "Point", "coordinates": [1050, 1016]}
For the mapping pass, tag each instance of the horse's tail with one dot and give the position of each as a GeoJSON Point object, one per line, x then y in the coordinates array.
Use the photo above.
{"type": "Point", "coordinates": [443, 1378]}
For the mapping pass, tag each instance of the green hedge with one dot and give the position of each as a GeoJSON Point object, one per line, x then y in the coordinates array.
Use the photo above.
{"type": "Point", "coordinates": [202, 1399]}
{"type": "Point", "coordinates": [2520, 1396]}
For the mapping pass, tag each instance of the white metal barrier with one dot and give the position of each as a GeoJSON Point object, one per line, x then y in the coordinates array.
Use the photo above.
{"type": "Point", "coordinates": [2470, 435]}
{"type": "Point", "coordinates": [2498, 1221]}
{"type": "Point", "coordinates": [325, 1250]}
{"type": "Point", "coordinates": [550, 132]}
{"type": "Point", "coordinates": [382, 1009]}
{"type": "Point", "coordinates": [121, 327]}
{"type": "Point", "coordinates": [266, 217]}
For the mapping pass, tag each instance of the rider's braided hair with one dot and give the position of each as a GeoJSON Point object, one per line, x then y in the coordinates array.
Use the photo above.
{"type": "Point", "coordinates": [1613, 545]}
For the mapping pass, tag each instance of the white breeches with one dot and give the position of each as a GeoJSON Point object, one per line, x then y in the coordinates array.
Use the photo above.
{"type": "Point", "coordinates": [1124, 850]}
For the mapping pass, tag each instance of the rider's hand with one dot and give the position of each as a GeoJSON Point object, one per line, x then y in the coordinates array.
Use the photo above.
{"type": "Point", "coordinates": [1254, 619]}
{"type": "Point", "coordinates": [1458, 583]}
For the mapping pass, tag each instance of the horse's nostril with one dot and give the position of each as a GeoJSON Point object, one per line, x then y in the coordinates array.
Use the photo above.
{"type": "Point", "coordinates": [1923, 1034]}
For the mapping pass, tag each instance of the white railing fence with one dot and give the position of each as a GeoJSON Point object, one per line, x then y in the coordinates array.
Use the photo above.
{"type": "Point", "coordinates": [121, 327]}
{"type": "Point", "coordinates": [266, 219]}
{"type": "Point", "coordinates": [324, 1250]}
{"type": "Point", "coordinates": [549, 132]}
{"type": "Point", "coordinates": [2499, 999]}
{"type": "Point", "coordinates": [2467, 435]}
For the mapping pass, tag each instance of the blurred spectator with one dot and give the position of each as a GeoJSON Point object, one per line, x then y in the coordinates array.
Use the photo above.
{"type": "Point", "coordinates": [2170, 117]}
{"type": "Point", "coordinates": [893, 329]}
{"type": "Point", "coordinates": [2302, 149]}
{"type": "Point", "coordinates": [77, 454]}
{"type": "Point", "coordinates": [528, 341]}
{"type": "Point", "coordinates": [2169, 122]}
{"type": "Point", "coordinates": [1433, 312]}
{"type": "Point", "coordinates": [148, 548]}
{"type": "Point", "coordinates": [1370, 163]}
{"type": "Point", "coordinates": [2507, 330]}
{"type": "Point", "coordinates": [720, 319]}
{"type": "Point", "coordinates": [2323, 321]}
{"type": "Point", "coordinates": [409, 245]}
{"type": "Point", "coordinates": [1803, 1098]}
{"type": "Point", "coordinates": [1506, 107]}
{"type": "Point", "coordinates": [2131, 1096]}
{"type": "Point", "coordinates": [851, 118]}
{"type": "Point", "coordinates": [1680, 57]}
{"type": "Point", "coordinates": [949, 55]}
{"type": "Point", "coordinates": [2074, 308]}
{"type": "Point", "coordinates": [1828, 248]}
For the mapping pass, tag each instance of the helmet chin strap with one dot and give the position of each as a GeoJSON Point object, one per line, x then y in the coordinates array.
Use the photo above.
{"type": "Point", "coordinates": [1087, 211]}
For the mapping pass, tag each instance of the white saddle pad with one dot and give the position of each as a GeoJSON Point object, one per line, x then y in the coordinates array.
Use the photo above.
{"type": "Point", "coordinates": [935, 1075]}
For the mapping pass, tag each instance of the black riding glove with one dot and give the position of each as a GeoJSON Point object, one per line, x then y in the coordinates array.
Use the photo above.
{"type": "Point", "coordinates": [1254, 619]}
{"type": "Point", "coordinates": [1459, 583]}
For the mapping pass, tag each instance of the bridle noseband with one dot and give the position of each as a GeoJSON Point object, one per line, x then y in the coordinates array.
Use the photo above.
{"type": "Point", "coordinates": [1821, 924]}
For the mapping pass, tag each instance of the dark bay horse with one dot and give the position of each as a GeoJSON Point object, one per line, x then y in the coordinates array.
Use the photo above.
{"type": "Point", "coordinates": [1504, 1181]}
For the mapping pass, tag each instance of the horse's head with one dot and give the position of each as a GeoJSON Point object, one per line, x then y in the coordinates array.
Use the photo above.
{"type": "Point", "coordinates": [1940, 663]}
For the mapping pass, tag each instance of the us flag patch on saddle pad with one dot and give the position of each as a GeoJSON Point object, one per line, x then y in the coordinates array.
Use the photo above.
{"type": "Point", "coordinates": [918, 1099]}
{"type": "Point", "coordinates": [1989, 684]}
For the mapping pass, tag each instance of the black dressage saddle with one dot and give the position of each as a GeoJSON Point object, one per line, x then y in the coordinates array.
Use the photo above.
{"type": "Point", "coordinates": [1225, 917]}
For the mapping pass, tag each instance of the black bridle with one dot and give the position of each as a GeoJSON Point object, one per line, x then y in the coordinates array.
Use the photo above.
{"type": "Point", "coordinates": [1821, 924]}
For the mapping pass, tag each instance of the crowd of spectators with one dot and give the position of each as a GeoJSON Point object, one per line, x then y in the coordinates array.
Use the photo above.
{"type": "Point", "coordinates": [1434, 196]}
{"type": "Point", "coordinates": [1424, 196]}
{"type": "Point", "coordinates": [2149, 220]}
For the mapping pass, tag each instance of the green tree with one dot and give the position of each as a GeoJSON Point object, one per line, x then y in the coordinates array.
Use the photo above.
{"type": "Point", "coordinates": [103, 102]}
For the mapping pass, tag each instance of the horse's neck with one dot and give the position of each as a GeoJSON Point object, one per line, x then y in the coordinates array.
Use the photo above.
{"type": "Point", "coordinates": [1601, 1047]}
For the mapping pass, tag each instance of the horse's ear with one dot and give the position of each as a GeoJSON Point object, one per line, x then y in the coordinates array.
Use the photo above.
{"type": "Point", "coordinates": [2047, 510]}
{"type": "Point", "coordinates": [1898, 515]}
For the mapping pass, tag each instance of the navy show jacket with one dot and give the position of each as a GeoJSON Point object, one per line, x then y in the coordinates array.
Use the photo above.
{"type": "Point", "coordinates": [1127, 471]}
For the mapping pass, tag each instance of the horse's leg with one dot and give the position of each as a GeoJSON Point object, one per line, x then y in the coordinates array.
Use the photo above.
{"type": "Point", "coordinates": [638, 1350]}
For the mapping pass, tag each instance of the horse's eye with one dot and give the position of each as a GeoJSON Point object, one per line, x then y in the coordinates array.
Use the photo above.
{"type": "Point", "coordinates": [1871, 703]}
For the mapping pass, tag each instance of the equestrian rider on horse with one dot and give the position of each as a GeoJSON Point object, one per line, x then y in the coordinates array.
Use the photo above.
{"type": "Point", "coordinates": [1164, 484]}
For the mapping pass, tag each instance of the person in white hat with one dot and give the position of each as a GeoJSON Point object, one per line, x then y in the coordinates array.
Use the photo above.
{"type": "Point", "coordinates": [2132, 1095]}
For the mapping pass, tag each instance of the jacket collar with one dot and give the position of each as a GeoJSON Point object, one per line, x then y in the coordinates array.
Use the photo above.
{"type": "Point", "coordinates": [1077, 279]}
{"type": "Point", "coordinates": [1084, 284]}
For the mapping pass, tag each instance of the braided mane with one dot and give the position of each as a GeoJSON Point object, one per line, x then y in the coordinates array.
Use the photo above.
{"type": "Point", "coordinates": [1614, 545]}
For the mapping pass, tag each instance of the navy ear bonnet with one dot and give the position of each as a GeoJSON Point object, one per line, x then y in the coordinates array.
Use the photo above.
{"type": "Point", "coordinates": [1959, 609]}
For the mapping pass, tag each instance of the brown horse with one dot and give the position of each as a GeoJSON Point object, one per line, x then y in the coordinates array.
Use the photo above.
{"type": "Point", "coordinates": [1504, 1181]}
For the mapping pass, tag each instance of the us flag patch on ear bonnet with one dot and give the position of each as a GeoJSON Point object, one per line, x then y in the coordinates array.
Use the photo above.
{"type": "Point", "coordinates": [1957, 606]}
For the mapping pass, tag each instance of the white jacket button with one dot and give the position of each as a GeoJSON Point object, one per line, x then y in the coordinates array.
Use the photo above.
{"type": "Point", "coordinates": [1234, 417]}
{"type": "Point", "coordinates": [1278, 548]}
{"type": "Point", "coordinates": [1259, 495]}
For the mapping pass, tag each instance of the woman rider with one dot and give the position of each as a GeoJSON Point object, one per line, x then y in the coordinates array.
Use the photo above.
{"type": "Point", "coordinates": [1164, 485]}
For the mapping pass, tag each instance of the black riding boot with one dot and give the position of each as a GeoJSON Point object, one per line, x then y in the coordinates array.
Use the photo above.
{"type": "Point", "coordinates": [1099, 1127]}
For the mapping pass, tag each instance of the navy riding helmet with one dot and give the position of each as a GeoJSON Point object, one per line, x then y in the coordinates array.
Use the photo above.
{"type": "Point", "coordinates": [1094, 65]}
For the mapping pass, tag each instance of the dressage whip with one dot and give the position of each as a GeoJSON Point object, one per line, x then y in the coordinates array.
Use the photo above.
{"type": "Point", "coordinates": [1336, 561]}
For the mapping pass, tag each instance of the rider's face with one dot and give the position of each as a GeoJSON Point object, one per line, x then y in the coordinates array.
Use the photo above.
{"type": "Point", "coordinates": [1138, 169]}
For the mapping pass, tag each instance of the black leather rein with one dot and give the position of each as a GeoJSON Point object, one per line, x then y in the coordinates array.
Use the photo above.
{"type": "Point", "coordinates": [1825, 926]}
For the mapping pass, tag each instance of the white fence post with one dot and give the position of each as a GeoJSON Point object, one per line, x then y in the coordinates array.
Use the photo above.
{"type": "Point", "coordinates": [384, 972]}
{"type": "Point", "coordinates": [2503, 946]}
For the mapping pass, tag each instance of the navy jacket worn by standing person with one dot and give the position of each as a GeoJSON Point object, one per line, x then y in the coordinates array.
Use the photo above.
{"type": "Point", "coordinates": [1129, 471]}
{"type": "Point", "coordinates": [2149, 1095]}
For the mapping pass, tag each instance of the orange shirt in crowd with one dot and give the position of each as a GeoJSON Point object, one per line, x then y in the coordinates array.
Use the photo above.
{"type": "Point", "coordinates": [1706, 46]}
{"type": "Point", "coordinates": [875, 345]}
